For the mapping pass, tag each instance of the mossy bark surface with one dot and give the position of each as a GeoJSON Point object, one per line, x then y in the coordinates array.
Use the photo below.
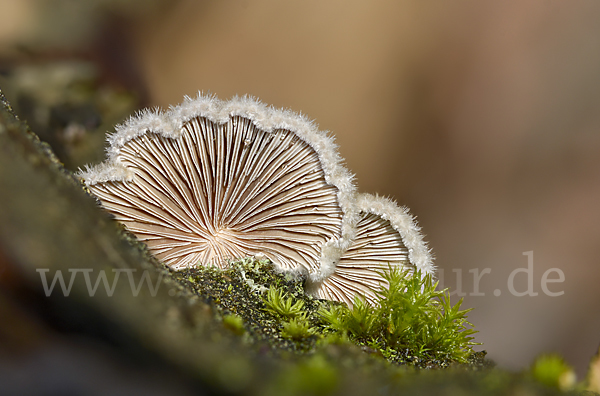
{"type": "Point", "coordinates": [167, 337]}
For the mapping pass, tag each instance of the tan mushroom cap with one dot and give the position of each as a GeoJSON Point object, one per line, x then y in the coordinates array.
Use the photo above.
{"type": "Point", "coordinates": [210, 181]}
{"type": "Point", "coordinates": [386, 235]}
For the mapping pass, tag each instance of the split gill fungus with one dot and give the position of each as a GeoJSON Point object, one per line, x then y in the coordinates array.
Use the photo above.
{"type": "Point", "coordinates": [209, 181]}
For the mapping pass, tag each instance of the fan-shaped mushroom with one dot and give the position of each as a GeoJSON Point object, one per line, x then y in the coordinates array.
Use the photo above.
{"type": "Point", "coordinates": [210, 180]}
{"type": "Point", "coordinates": [386, 235]}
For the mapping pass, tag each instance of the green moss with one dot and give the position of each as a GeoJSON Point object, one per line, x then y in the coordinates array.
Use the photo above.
{"type": "Point", "coordinates": [277, 302]}
{"type": "Point", "coordinates": [552, 370]}
{"type": "Point", "coordinates": [297, 329]}
{"type": "Point", "coordinates": [234, 323]}
{"type": "Point", "coordinates": [411, 322]}
{"type": "Point", "coordinates": [241, 290]}
{"type": "Point", "coordinates": [313, 376]}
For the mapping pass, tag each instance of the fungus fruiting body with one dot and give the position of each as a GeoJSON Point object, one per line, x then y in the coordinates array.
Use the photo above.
{"type": "Point", "coordinates": [209, 181]}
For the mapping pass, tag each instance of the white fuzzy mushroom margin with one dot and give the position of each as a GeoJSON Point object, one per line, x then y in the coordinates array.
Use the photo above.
{"type": "Point", "coordinates": [402, 221]}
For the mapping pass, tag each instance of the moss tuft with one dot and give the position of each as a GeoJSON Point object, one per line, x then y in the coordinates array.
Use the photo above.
{"type": "Point", "coordinates": [409, 322]}
{"type": "Point", "coordinates": [277, 302]}
{"type": "Point", "coordinates": [552, 370]}
{"type": "Point", "coordinates": [297, 329]}
{"type": "Point", "coordinates": [234, 323]}
{"type": "Point", "coordinates": [313, 376]}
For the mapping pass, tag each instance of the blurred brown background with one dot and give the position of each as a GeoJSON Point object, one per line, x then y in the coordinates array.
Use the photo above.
{"type": "Point", "coordinates": [482, 117]}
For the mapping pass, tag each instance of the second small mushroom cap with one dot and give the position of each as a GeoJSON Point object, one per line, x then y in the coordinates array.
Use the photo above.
{"type": "Point", "coordinates": [386, 235]}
